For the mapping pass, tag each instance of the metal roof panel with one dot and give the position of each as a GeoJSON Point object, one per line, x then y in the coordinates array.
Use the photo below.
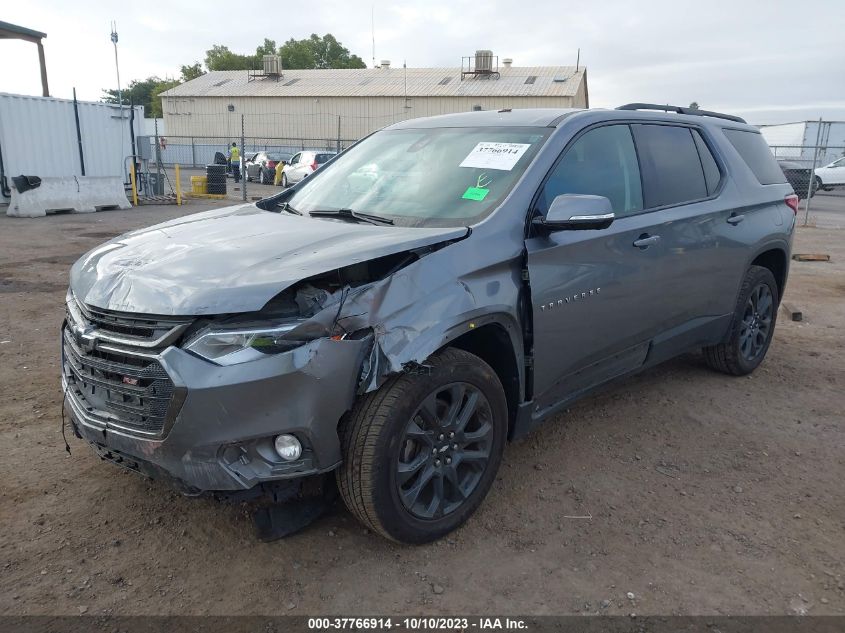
{"type": "Point", "coordinates": [386, 82]}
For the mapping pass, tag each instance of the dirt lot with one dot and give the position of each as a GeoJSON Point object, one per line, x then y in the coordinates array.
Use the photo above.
{"type": "Point", "coordinates": [696, 492]}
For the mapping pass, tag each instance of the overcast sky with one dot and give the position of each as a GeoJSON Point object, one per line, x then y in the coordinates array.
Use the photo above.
{"type": "Point", "coordinates": [767, 60]}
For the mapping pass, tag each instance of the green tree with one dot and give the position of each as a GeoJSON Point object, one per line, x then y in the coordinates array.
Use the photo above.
{"type": "Point", "coordinates": [219, 57]}
{"type": "Point", "coordinates": [297, 54]}
{"type": "Point", "coordinates": [192, 71]}
{"type": "Point", "coordinates": [146, 92]}
{"type": "Point", "coordinates": [694, 106]}
{"type": "Point", "coordinates": [138, 92]}
{"type": "Point", "coordinates": [318, 52]}
{"type": "Point", "coordinates": [267, 48]}
{"type": "Point", "coordinates": [155, 110]}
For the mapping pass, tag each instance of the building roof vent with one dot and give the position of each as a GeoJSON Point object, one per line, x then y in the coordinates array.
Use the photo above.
{"type": "Point", "coordinates": [272, 65]}
{"type": "Point", "coordinates": [483, 61]}
{"type": "Point", "coordinates": [507, 62]}
{"type": "Point", "coordinates": [385, 63]}
{"type": "Point", "coordinates": [482, 65]}
{"type": "Point", "coordinates": [271, 68]}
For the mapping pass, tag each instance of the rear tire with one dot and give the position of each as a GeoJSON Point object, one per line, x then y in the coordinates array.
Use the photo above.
{"type": "Point", "coordinates": [284, 181]}
{"type": "Point", "coordinates": [752, 326]}
{"type": "Point", "coordinates": [420, 454]}
{"type": "Point", "coordinates": [261, 177]}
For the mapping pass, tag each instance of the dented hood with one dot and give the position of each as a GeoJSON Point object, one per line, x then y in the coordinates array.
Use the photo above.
{"type": "Point", "coordinates": [230, 260]}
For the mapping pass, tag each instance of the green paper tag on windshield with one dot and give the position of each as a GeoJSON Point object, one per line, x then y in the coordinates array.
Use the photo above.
{"type": "Point", "coordinates": [475, 193]}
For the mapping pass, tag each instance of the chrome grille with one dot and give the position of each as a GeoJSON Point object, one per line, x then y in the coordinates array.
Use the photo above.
{"type": "Point", "coordinates": [129, 329]}
{"type": "Point", "coordinates": [113, 372]}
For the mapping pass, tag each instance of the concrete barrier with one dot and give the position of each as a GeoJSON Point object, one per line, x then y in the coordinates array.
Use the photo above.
{"type": "Point", "coordinates": [81, 194]}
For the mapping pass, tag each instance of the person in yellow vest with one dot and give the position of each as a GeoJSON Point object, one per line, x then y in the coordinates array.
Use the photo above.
{"type": "Point", "coordinates": [235, 160]}
{"type": "Point", "coordinates": [280, 167]}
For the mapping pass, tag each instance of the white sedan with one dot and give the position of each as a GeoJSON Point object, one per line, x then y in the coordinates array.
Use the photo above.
{"type": "Point", "coordinates": [832, 175]}
{"type": "Point", "coordinates": [303, 165]}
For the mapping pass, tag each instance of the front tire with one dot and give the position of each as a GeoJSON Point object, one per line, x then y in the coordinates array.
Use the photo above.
{"type": "Point", "coordinates": [752, 326]}
{"type": "Point", "coordinates": [421, 453]}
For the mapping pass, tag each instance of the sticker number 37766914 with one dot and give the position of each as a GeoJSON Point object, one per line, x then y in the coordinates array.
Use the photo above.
{"type": "Point", "coordinates": [502, 156]}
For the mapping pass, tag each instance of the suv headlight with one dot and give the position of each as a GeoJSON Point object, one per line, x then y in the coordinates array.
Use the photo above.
{"type": "Point", "coordinates": [231, 347]}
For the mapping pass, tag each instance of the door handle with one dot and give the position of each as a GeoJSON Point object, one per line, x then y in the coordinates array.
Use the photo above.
{"type": "Point", "coordinates": [645, 240]}
{"type": "Point", "coordinates": [736, 219]}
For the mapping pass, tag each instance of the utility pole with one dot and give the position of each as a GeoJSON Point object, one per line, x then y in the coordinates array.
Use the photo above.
{"type": "Point", "coordinates": [119, 92]}
{"type": "Point", "coordinates": [241, 162]}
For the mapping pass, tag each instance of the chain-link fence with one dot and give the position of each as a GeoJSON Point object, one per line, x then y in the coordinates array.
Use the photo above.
{"type": "Point", "coordinates": [806, 154]}
{"type": "Point", "coordinates": [811, 167]}
{"type": "Point", "coordinates": [812, 170]}
{"type": "Point", "coordinates": [198, 151]}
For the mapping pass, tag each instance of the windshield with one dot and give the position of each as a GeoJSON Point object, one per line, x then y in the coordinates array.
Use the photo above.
{"type": "Point", "coordinates": [424, 177]}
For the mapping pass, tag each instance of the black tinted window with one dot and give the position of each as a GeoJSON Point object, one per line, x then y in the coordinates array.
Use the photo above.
{"type": "Point", "coordinates": [672, 172]}
{"type": "Point", "coordinates": [757, 155]}
{"type": "Point", "coordinates": [602, 162]}
{"type": "Point", "coordinates": [711, 170]}
{"type": "Point", "coordinates": [323, 158]}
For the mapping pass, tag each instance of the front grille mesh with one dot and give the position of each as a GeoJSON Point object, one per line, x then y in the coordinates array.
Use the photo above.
{"type": "Point", "coordinates": [132, 396]}
{"type": "Point", "coordinates": [119, 386]}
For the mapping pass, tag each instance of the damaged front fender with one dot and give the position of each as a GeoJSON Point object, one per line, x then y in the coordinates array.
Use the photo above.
{"type": "Point", "coordinates": [415, 311]}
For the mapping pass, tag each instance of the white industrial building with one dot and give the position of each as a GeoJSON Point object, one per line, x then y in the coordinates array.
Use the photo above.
{"type": "Point", "coordinates": [348, 104]}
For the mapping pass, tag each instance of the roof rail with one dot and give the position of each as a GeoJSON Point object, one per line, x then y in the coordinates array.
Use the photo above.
{"type": "Point", "coordinates": [679, 110]}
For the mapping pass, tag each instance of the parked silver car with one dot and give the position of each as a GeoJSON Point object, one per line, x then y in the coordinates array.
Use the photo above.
{"type": "Point", "coordinates": [304, 164]}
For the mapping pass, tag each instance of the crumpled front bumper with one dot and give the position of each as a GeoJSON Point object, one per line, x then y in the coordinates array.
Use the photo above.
{"type": "Point", "coordinates": [222, 437]}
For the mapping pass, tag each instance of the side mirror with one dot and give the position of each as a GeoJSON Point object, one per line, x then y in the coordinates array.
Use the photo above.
{"type": "Point", "coordinates": [572, 211]}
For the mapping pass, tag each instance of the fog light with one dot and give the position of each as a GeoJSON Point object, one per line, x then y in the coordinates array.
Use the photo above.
{"type": "Point", "coordinates": [288, 447]}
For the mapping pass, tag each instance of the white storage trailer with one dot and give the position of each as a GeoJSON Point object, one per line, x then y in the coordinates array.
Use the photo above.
{"type": "Point", "coordinates": [797, 141]}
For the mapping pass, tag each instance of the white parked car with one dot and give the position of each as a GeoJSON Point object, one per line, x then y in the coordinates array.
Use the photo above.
{"type": "Point", "coordinates": [303, 165]}
{"type": "Point", "coordinates": [832, 175]}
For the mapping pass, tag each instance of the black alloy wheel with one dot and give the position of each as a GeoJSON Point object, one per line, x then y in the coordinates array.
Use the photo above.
{"type": "Point", "coordinates": [752, 325]}
{"type": "Point", "coordinates": [756, 322]}
{"type": "Point", "coordinates": [445, 449]}
{"type": "Point", "coordinates": [422, 451]}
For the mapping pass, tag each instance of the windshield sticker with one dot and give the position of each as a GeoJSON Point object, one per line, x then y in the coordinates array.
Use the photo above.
{"type": "Point", "coordinates": [502, 156]}
{"type": "Point", "coordinates": [475, 193]}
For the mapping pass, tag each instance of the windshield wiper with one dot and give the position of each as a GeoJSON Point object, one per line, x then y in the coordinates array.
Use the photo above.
{"type": "Point", "coordinates": [285, 206]}
{"type": "Point", "coordinates": [351, 215]}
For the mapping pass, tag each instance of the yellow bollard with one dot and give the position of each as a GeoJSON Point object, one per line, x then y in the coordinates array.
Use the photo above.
{"type": "Point", "coordinates": [134, 185]}
{"type": "Point", "coordinates": [178, 186]}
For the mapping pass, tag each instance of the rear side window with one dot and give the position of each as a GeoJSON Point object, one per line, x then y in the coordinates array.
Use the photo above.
{"type": "Point", "coordinates": [752, 147]}
{"type": "Point", "coordinates": [324, 158]}
{"type": "Point", "coordinates": [672, 171]}
{"type": "Point", "coordinates": [712, 175]}
{"type": "Point", "coordinates": [602, 162]}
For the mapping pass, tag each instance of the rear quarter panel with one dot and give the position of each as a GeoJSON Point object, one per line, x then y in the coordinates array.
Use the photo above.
{"type": "Point", "coordinates": [768, 222]}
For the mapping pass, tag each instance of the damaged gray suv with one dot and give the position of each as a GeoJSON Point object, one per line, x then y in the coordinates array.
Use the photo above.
{"type": "Point", "coordinates": [439, 288]}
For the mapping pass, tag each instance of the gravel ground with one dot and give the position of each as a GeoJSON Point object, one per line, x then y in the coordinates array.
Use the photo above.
{"type": "Point", "coordinates": [678, 491]}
